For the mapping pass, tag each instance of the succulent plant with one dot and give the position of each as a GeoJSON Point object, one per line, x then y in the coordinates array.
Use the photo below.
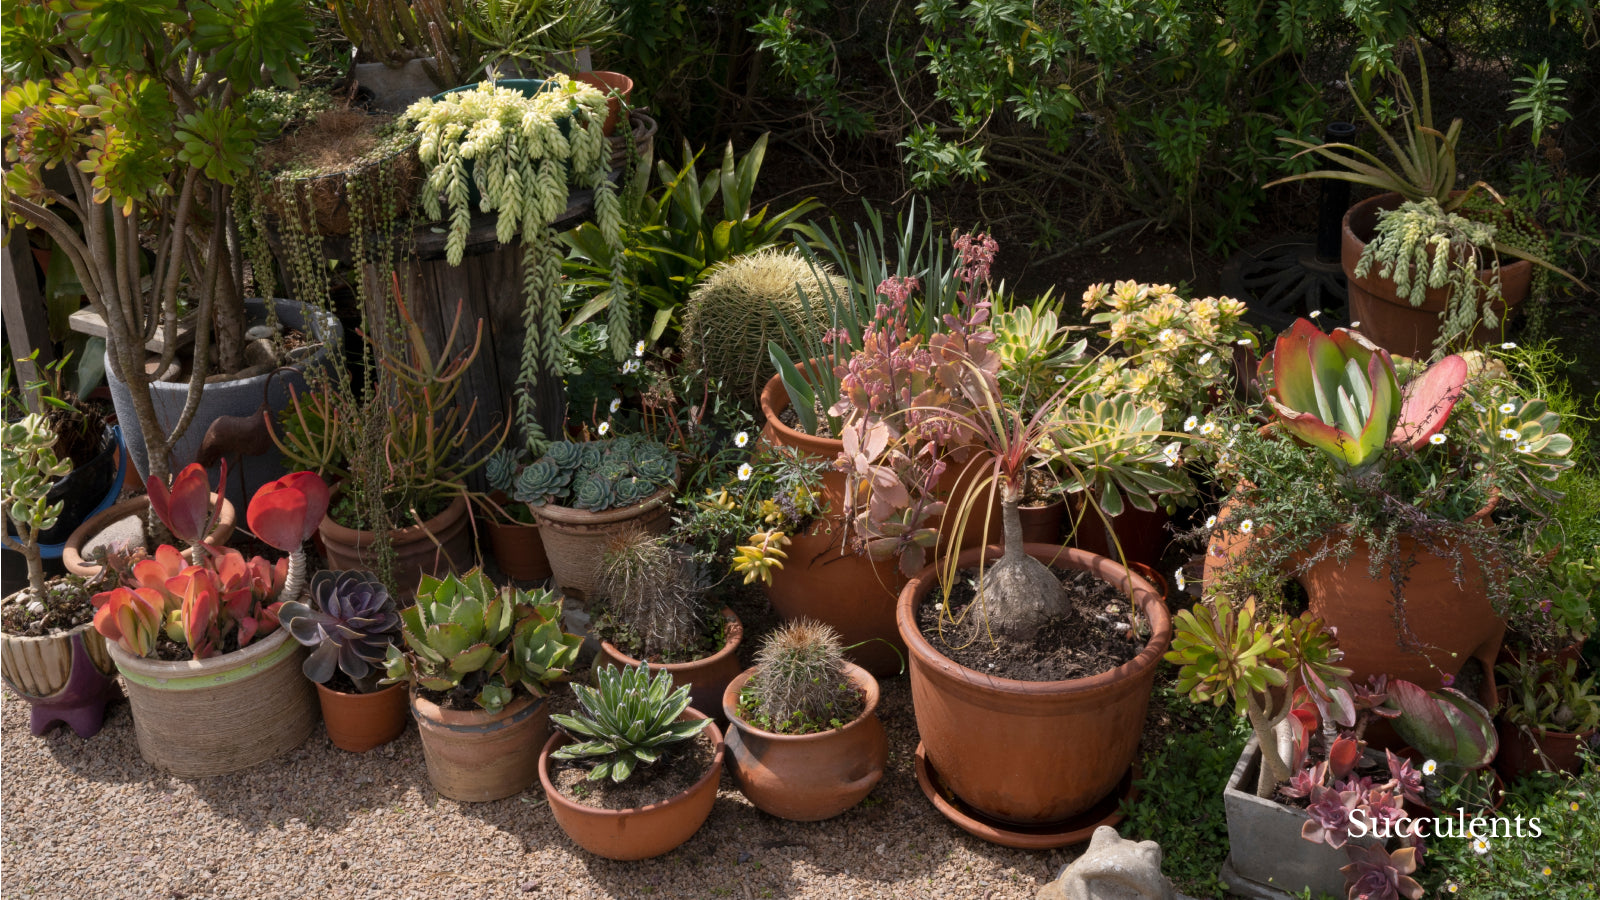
{"type": "Point", "coordinates": [28, 466]}
{"type": "Point", "coordinates": [1375, 873]}
{"type": "Point", "coordinates": [1443, 725]}
{"type": "Point", "coordinates": [503, 468]}
{"type": "Point", "coordinates": [631, 720]}
{"type": "Point", "coordinates": [798, 672]}
{"type": "Point", "coordinates": [654, 590]}
{"type": "Point", "coordinates": [597, 475]}
{"type": "Point", "coordinates": [350, 622]}
{"type": "Point", "coordinates": [1552, 697]}
{"type": "Point", "coordinates": [541, 482]}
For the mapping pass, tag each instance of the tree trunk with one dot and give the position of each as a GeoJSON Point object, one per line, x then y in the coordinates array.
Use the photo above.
{"type": "Point", "coordinates": [1020, 594]}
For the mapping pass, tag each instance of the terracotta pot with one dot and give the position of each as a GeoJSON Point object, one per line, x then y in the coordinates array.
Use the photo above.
{"type": "Point", "coordinates": [477, 756]}
{"type": "Point", "coordinates": [707, 678]}
{"type": "Point", "coordinates": [1024, 752]}
{"type": "Point", "coordinates": [1042, 524]}
{"type": "Point", "coordinates": [807, 777]}
{"type": "Point", "coordinates": [1142, 535]}
{"type": "Point", "coordinates": [642, 832]}
{"type": "Point", "coordinates": [1537, 750]}
{"type": "Point", "coordinates": [83, 537]}
{"type": "Point", "coordinates": [66, 677]}
{"type": "Point", "coordinates": [1393, 323]}
{"type": "Point", "coordinates": [438, 546]}
{"type": "Point", "coordinates": [221, 714]}
{"type": "Point", "coordinates": [606, 82]}
{"type": "Point", "coordinates": [359, 722]}
{"type": "Point", "coordinates": [575, 538]}
{"type": "Point", "coordinates": [845, 590]}
{"type": "Point", "coordinates": [519, 551]}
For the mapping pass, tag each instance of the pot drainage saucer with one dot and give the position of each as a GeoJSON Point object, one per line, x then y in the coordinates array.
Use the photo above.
{"type": "Point", "coordinates": [1064, 833]}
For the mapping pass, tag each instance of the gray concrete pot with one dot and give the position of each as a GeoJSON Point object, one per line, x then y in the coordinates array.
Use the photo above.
{"type": "Point", "coordinates": [240, 397]}
{"type": "Point", "coordinates": [1267, 857]}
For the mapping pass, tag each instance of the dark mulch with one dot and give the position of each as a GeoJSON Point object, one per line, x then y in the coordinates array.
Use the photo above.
{"type": "Point", "coordinates": [674, 773]}
{"type": "Point", "coordinates": [1086, 644]}
{"type": "Point", "coordinates": [66, 606]}
{"type": "Point", "coordinates": [792, 419]}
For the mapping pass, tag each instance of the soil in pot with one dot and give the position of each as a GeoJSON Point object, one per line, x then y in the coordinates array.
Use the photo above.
{"type": "Point", "coordinates": [442, 543]}
{"type": "Point", "coordinates": [1086, 644]}
{"type": "Point", "coordinates": [677, 771]}
{"type": "Point", "coordinates": [65, 606]}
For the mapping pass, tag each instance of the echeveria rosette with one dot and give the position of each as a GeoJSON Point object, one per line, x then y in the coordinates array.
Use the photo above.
{"type": "Point", "coordinates": [350, 623]}
{"type": "Point", "coordinates": [1375, 873]}
{"type": "Point", "coordinates": [543, 482]}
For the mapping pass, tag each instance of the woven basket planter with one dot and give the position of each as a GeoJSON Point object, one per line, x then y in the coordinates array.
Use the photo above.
{"type": "Point", "coordinates": [221, 714]}
{"type": "Point", "coordinates": [575, 538]}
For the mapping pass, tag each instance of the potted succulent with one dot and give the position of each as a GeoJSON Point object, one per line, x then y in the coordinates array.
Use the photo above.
{"type": "Point", "coordinates": [406, 51]}
{"type": "Point", "coordinates": [635, 773]}
{"type": "Point", "coordinates": [1412, 577]}
{"type": "Point", "coordinates": [1548, 713]}
{"type": "Point", "coordinates": [479, 659]}
{"type": "Point", "coordinates": [804, 740]}
{"type": "Point", "coordinates": [349, 622]}
{"type": "Point", "coordinates": [52, 656]}
{"type": "Point", "coordinates": [656, 611]}
{"type": "Point", "coordinates": [208, 697]}
{"type": "Point", "coordinates": [584, 494]}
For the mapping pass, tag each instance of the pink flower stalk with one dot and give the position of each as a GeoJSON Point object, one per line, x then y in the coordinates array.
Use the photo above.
{"type": "Point", "coordinates": [977, 252]}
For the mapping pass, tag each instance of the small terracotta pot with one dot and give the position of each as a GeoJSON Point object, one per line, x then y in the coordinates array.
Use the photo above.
{"type": "Point", "coordinates": [850, 592]}
{"type": "Point", "coordinates": [606, 82]}
{"type": "Point", "coordinates": [476, 756]}
{"type": "Point", "coordinates": [575, 538]}
{"type": "Point", "coordinates": [359, 722]}
{"type": "Point", "coordinates": [707, 678]}
{"type": "Point", "coordinates": [72, 554]}
{"type": "Point", "coordinates": [1030, 752]}
{"type": "Point", "coordinates": [807, 777]}
{"type": "Point", "coordinates": [1042, 524]}
{"type": "Point", "coordinates": [1393, 323]}
{"type": "Point", "coordinates": [1142, 535]}
{"type": "Point", "coordinates": [441, 544]}
{"type": "Point", "coordinates": [643, 832]}
{"type": "Point", "coordinates": [1537, 750]}
{"type": "Point", "coordinates": [66, 677]}
{"type": "Point", "coordinates": [519, 551]}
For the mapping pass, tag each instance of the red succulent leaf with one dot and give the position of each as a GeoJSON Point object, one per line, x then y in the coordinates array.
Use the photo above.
{"type": "Point", "coordinates": [185, 508]}
{"type": "Point", "coordinates": [1343, 756]}
{"type": "Point", "coordinates": [286, 512]}
{"type": "Point", "coordinates": [1428, 400]}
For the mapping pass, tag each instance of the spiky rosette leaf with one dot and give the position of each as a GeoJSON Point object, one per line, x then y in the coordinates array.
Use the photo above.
{"type": "Point", "coordinates": [630, 720]}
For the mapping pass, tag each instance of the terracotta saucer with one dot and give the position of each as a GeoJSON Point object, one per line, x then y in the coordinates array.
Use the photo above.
{"type": "Point", "coordinates": [1073, 830]}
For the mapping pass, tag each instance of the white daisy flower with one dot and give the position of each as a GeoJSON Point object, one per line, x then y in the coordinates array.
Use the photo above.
{"type": "Point", "coordinates": [1509, 434]}
{"type": "Point", "coordinates": [605, 428]}
{"type": "Point", "coordinates": [1190, 423]}
{"type": "Point", "coordinates": [744, 472]}
{"type": "Point", "coordinates": [1245, 342]}
{"type": "Point", "coordinates": [1507, 408]}
{"type": "Point", "coordinates": [1480, 846]}
{"type": "Point", "coordinates": [1430, 767]}
{"type": "Point", "coordinates": [1173, 454]}
{"type": "Point", "coordinates": [1247, 526]}
{"type": "Point", "coordinates": [1524, 447]}
{"type": "Point", "coordinates": [1211, 521]}
{"type": "Point", "coordinates": [1314, 314]}
{"type": "Point", "coordinates": [1208, 428]}
{"type": "Point", "coordinates": [638, 349]}
{"type": "Point", "coordinates": [1165, 335]}
{"type": "Point", "coordinates": [1437, 439]}
{"type": "Point", "coordinates": [1061, 379]}
{"type": "Point", "coordinates": [741, 439]}
{"type": "Point", "coordinates": [1509, 345]}
{"type": "Point", "coordinates": [1356, 324]}
{"type": "Point", "coordinates": [1178, 579]}
{"type": "Point", "coordinates": [616, 403]}
{"type": "Point", "coordinates": [1205, 357]}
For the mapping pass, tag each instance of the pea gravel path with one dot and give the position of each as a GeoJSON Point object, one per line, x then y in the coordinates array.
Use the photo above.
{"type": "Point", "coordinates": [91, 820]}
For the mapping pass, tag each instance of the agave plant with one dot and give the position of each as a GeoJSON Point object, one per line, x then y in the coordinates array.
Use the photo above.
{"type": "Point", "coordinates": [1339, 393]}
{"type": "Point", "coordinates": [631, 720]}
{"type": "Point", "coordinates": [350, 623]}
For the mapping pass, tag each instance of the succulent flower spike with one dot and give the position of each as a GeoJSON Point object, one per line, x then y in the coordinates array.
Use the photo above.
{"type": "Point", "coordinates": [185, 508]}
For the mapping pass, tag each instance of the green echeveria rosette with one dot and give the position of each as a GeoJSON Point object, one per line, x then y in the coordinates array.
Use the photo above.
{"type": "Point", "coordinates": [501, 470]}
{"type": "Point", "coordinates": [541, 483]}
{"type": "Point", "coordinates": [595, 494]}
{"type": "Point", "coordinates": [592, 453]}
{"type": "Point", "coordinates": [660, 469]}
{"type": "Point", "coordinates": [613, 470]}
{"type": "Point", "coordinates": [565, 455]}
{"type": "Point", "coordinates": [633, 490]}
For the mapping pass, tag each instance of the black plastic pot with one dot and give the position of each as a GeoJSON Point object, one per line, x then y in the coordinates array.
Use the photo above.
{"type": "Point", "coordinates": [83, 492]}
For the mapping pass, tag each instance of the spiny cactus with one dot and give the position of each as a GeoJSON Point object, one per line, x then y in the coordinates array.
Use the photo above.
{"type": "Point", "coordinates": [655, 590]}
{"type": "Point", "coordinates": [735, 311]}
{"type": "Point", "coordinates": [798, 672]}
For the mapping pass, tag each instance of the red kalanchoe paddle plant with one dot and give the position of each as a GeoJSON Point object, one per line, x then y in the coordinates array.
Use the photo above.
{"type": "Point", "coordinates": [220, 595]}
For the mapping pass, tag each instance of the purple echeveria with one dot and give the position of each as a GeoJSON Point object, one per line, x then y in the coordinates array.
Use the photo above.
{"type": "Point", "coordinates": [1408, 778]}
{"type": "Point", "coordinates": [1330, 817]}
{"type": "Point", "coordinates": [1376, 874]}
{"type": "Point", "coordinates": [349, 624]}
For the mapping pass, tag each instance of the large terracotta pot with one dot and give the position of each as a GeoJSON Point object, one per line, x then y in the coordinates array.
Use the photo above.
{"type": "Point", "coordinates": [845, 590]}
{"type": "Point", "coordinates": [643, 832]}
{"type": "Point", "coordinates": [360, 722]}
{"type": "Point", "coordinates": [1142, 535]}
{"type": "Point", "coordinates": [1393, 323]}
{"type": "Point", "coordinates": [606, 82]}
{"type": "Point", "coordinates": [221, 714]}
{"type": "Point", "coordinates": [67, 677]}
{"type": "Point", "coordinates": [477, 756]}
{"type": "Point", "coordinates": [83, 538]}
{"type": "Point", "coordinates": [1042, 524]}
{"type": "Point", "coordinates": [575, 538]}
{"type": "Point", "coordinates": [706, 678]}
{"type": "Point", "coordinates": [1032, 753]}
{"type": "Point", "coordinates": [807, 777]}
{"type": "Point", "coordinates": [438, 546]}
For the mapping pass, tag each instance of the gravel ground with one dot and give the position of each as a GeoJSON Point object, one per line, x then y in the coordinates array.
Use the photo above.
{"type": "Point", "coordinates": [92, 819]}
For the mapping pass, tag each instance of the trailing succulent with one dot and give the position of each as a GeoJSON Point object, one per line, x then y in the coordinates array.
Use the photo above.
{"type": "Point", "coordinates": [630, 720]}
{"type": "Point", "coordinates": [350, 623]}
{"type": "Point", "coordinates": [476, 642]}
{"type": "Point", "coordinates": [597, 475]}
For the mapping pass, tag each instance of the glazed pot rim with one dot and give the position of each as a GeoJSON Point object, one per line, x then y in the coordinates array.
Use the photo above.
{"type": "Point", "coordinates": [72, 550]}
{"type": "Point", "coordinates": [1150, 602]}
{"type": "Point", "coordinates": [730, 645]}
{"type": "Point", "coordinates": [858, 676]}
{"type": "Point", "coordinates": [559, 738]}
{"type": "Point", "coordinates": [347, 535]}
{"type": "Point", "coordinates": [569, 515]}
{"type": "Point", "coordinates": [198, 668]}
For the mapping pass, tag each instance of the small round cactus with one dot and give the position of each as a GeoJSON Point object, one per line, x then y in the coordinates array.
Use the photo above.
{"type": "Point", "coordinates": [748, 301]}
{"type": "Point", "coordinates": [655, 590]}
{"type": "Point", "coordinates": [799, 669]}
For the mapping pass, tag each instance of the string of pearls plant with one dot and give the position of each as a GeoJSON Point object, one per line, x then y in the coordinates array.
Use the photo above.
{"type": "Point", "coordinates": [522, 153]}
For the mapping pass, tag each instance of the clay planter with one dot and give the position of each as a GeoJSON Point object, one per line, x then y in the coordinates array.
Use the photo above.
{"type": "Point", "coordinates": [606, 82]}
{"type": "Point", "coordinates": [519, 551]}
{"type": "Point", "coordinates": [845, 590]}
{"type": "Point", "coordinates": [707, 678]}
{"type": "Point", "coordinates": [1032, 753]}
{"type": "Point", "coordinates": [221, 714]}
{"type": "Point", "coordinates": [1393, 323]}
{"type": "Point", "coordinates": [66, 677]}
{"type": "Point", "coordinates": [1142, 535]}
{"type": "Point", "coordinates": [1537, 750]}
{"type": "Point", "coordinates": [328, 195]}
{"type": "Point", "coordinates": [807, 777]}
{"type": "Point", "coordinates": [1042, 524]}
{"type": "Point", "coordinates": [440, 545]}
{"type": "Point", "coordinates": [359, 722]}
{"type": "Point", "coordinates": [575, 538]}
{"type": "Point", "coordinates": [83, 539]}
{"type": "Point", "coordinates": [642, 832]}
{"type": "Point", "coordinates": [476, 756]}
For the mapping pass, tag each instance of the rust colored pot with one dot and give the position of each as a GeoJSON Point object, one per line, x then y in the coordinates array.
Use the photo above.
{"type": "Point", "coordinates": [82, 536]}
{"type": "Point", "coordinates": [1142, 535]}
{"type": "Point", "coordinates": [436, 547]}
{"type": "Point", "coordinates": [1032, 753]}
{"type": "Point", "coordinates": [519, 551]}
{"type": "Point", "coordinates": [807, 777]}
{"type": "Point", "coordinates": [575, 538]}
{"type": "Point", "coordinates": [359, 722]}
{"type": "Point", "coordinates": [642, 832]}
{"type": "Point", "coordinates": [707, 678]}
{"type": "Point", "coordinates": [477, 756]}
{"type": "Point", "coordinates": [1393, 323]}
{"type": "Point", "coordinates": [1042, 524]}
{"type": "Point", "coordinates": [606, 83]}
{"type": "Point", "coordinates": [1537, 750]}
{"type": "Point", "coordinates": [853, 594]}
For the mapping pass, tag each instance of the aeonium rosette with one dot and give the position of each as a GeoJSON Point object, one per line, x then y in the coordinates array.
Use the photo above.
{"type": "Point", "coordinates": [213, 594]}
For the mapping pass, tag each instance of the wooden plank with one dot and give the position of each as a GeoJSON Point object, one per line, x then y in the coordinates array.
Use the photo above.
{"type": "Point", "coordinates": [87, 321]}
{"type": "Point", "coordinates": [25, 317]}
